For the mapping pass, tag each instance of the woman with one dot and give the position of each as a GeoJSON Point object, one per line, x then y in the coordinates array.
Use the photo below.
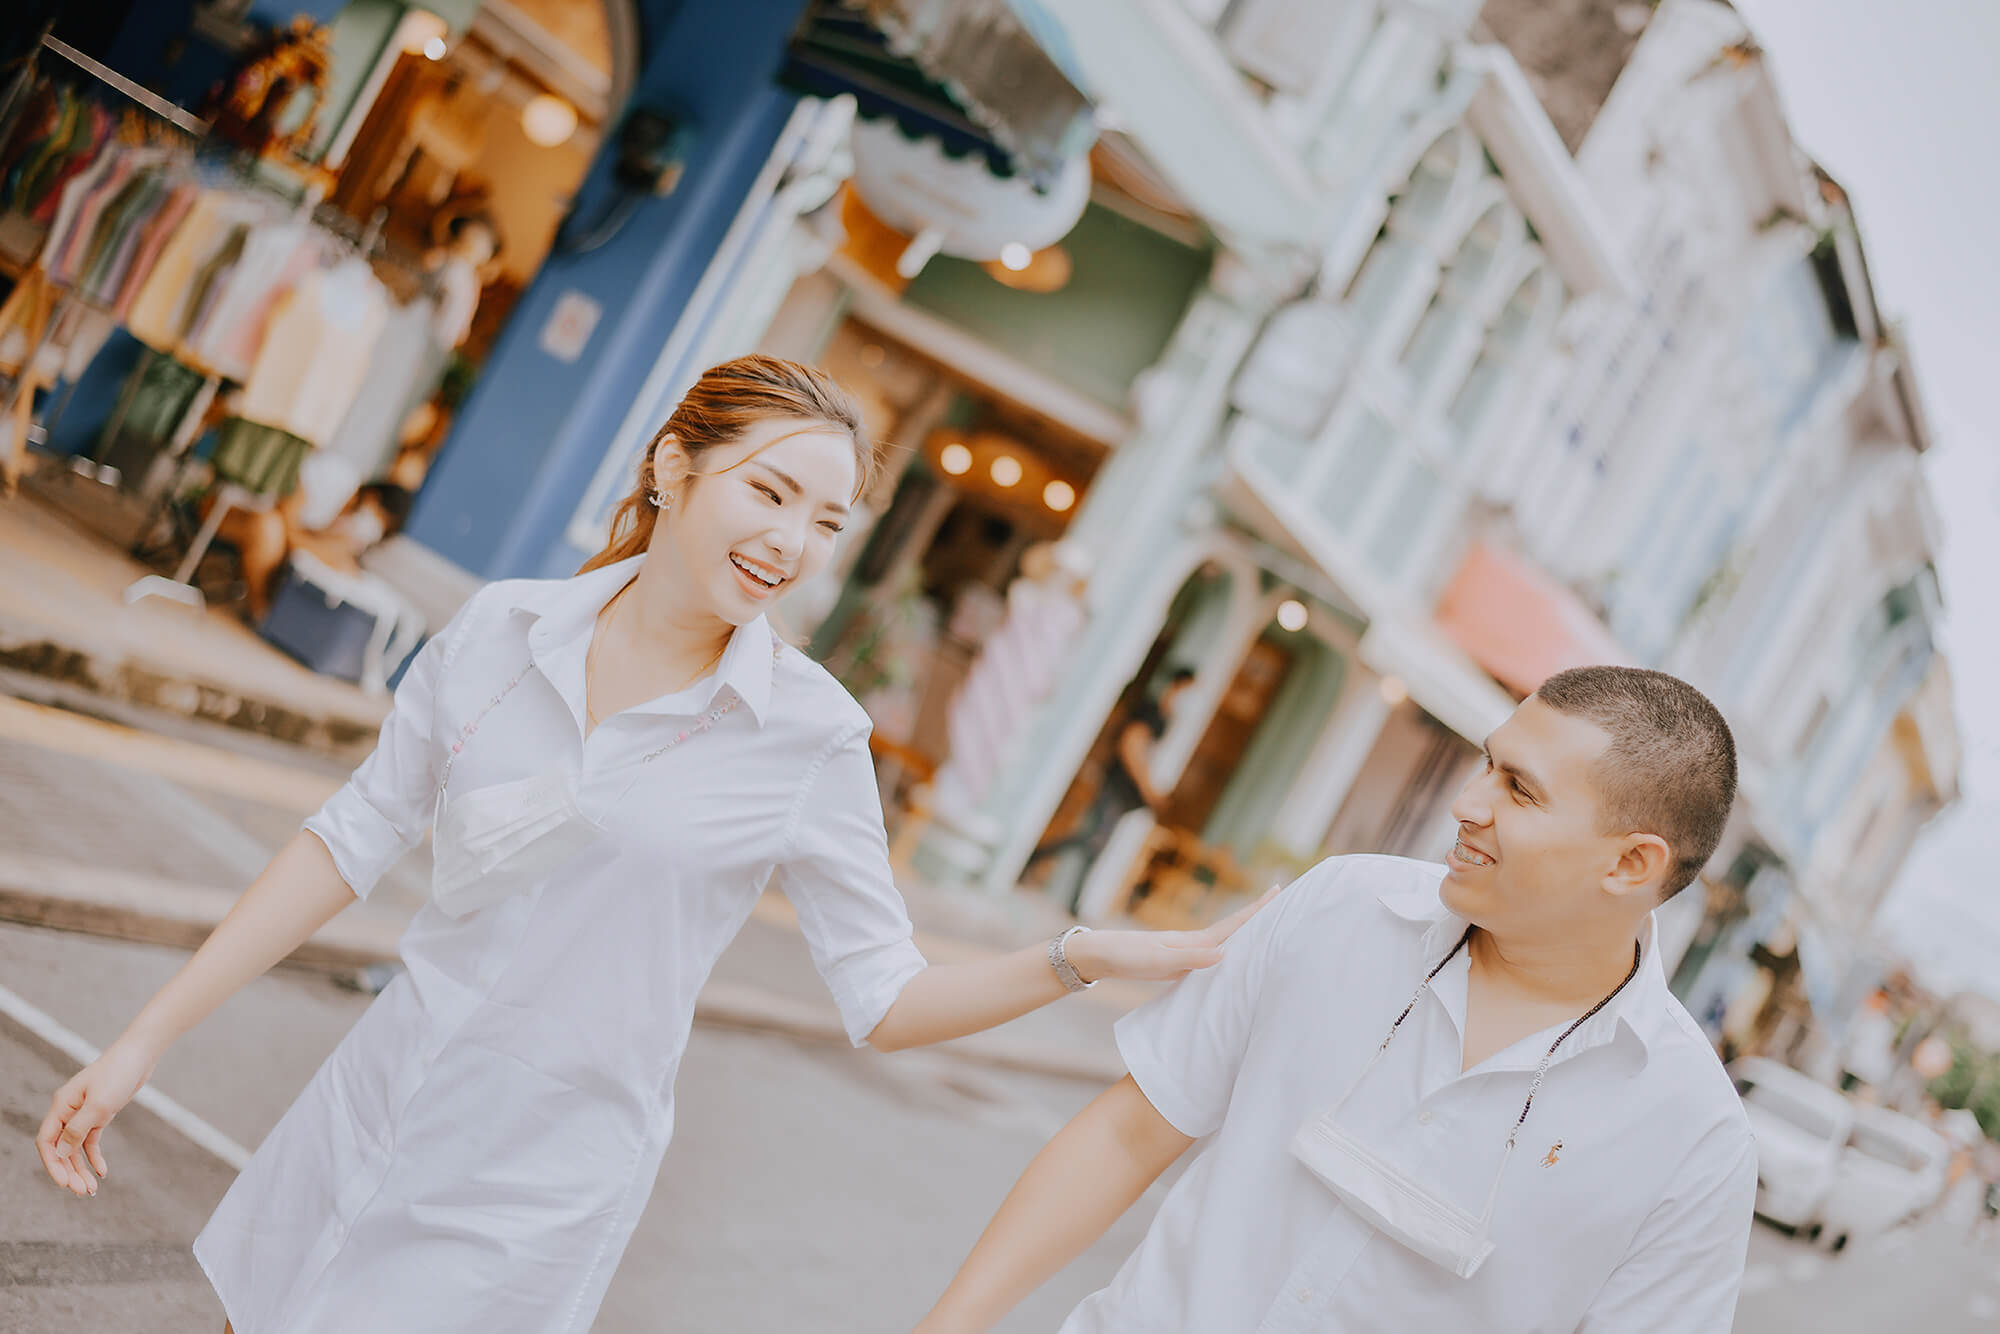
{"type": "Point", "coordinates": [615, 765]}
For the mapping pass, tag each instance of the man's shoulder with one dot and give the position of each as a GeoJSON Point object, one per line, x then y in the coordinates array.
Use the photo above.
{"type": "Point", "coordinates": [1688, 1082]}
{"type": "Point", "coordinates": [1359, 881]}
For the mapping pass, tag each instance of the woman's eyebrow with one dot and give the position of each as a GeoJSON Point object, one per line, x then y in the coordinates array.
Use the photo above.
{"type": "Point", "coordinates": [793, 484]}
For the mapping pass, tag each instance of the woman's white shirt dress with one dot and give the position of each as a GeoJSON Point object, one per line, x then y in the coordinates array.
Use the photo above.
{"type": "Point", "coordinates": [476, 1152]}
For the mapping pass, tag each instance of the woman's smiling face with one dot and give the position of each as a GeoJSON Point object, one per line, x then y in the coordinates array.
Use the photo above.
{"type": "Point", "coordinates": [749, 521]}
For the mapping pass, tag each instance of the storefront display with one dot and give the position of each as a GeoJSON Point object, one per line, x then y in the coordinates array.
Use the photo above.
{"type": "Point", "coordinates": [271, 330]}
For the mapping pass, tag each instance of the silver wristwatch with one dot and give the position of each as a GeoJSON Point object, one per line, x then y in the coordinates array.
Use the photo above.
{"type": "Point", "coordinates": [1058, 960]}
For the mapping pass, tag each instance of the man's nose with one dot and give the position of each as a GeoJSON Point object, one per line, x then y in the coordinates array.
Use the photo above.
{"type": "Point", "coordinates": [1474, 804]}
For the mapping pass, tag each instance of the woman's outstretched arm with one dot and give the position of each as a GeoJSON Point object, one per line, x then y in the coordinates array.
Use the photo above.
{"type": "Point", "coordinates": [298, 893]}
{"type": "Point", "coordinates": [950, 1000]}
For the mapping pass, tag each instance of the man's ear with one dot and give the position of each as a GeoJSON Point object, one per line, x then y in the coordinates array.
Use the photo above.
{"type": "Point", "coordinates": [1642, 867]}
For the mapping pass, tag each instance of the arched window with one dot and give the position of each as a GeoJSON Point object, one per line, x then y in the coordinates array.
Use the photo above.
{"type": "Point", "coordinates": [1454, 307]}
{"type": "Point", "coordinates": [1511, 344]}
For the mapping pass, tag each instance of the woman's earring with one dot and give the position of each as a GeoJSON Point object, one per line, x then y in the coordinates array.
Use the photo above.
{"type": "Point", "coordinates": [659, 498]}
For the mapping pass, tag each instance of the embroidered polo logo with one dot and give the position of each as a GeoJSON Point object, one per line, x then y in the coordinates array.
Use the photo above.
{"type": "Point", "coordinates": [1555, 1151]}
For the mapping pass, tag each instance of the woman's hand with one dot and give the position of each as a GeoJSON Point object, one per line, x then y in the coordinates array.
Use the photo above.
{"type": "Point", "coordinates": [69, 1138]}
{"type": "Point", "coordinates": [1154, 956]}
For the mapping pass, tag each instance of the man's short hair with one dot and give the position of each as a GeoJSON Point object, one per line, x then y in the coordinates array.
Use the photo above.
{"type": "Point", "coordinates": [1670, 769]}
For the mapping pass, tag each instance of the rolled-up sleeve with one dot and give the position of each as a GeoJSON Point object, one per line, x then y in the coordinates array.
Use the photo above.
{"type": "Point", "coordinates": [1184, 1049]}
{"type": "Point", "coordinates": [835, 871]}
{"type": "Point", "coordinates": [385, 806]}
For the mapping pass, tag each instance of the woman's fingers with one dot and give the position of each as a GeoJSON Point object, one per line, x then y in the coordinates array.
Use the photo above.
{"type": "Point", "coordinates": [94, 1150]}
{"type": "Point", "coordinates": [1218, 931]}
{"type": "Point", "coordinates": [48, 1139]}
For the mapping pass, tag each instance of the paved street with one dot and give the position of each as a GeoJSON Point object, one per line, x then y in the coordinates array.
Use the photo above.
{"type": "Point", "coordinates": [809, 1187]}
{"type": "Point", "coordinates": [1921, 1280]}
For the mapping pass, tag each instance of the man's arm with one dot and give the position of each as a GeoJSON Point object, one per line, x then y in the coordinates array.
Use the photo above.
{"type": "Point", "coordinates": [1076, 1187]}
{"type": "Point", "coordinates": [1683, 1270]}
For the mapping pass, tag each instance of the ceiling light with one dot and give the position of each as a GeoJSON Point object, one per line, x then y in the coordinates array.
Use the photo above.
{"type": "Point", "coordinates": [548, 120]}
{"type": "Point", "coordinates": [956, 459]}
{"type": "Point", "coordinates": [1045, 270]}
{"type": "Point", "coordinates": [1292, 615]}
{"type": "Point", "coordinates": [1006, 470]}
{"type": "Point", "coordinates": [1059, 496]}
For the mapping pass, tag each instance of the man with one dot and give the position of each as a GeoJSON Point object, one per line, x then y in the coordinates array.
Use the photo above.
{"type": "Point", "coordinates": [1353, 1185]}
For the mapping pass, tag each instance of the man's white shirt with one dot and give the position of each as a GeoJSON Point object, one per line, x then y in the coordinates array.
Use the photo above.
{"type": "Point", "coordinates": [1625, 1208]}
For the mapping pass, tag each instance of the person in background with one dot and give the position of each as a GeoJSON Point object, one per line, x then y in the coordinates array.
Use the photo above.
{"type": "Point", "coordinates": [265, 539]}
{"type": "Point", "coordinates": [1128, 779]}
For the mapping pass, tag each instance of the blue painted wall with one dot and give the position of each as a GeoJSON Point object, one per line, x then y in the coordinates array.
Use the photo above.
{"type": "Point", "coordinates": [534, 430]}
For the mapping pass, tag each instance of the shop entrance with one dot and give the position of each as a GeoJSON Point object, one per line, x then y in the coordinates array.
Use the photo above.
{"type": "Point", "coordinates": [1205, 842]}
{"type": "Point", "coordinates": [982, 483]}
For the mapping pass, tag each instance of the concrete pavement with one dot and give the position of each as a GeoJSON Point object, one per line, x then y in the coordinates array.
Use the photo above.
{"type": "Point", "coordinates": [809, 1186]}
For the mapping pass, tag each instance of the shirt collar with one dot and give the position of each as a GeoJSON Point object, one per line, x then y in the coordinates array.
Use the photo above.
{"type": "Point", "coordinates": [564, 610]}
{"type": "Point", "coordinates": [1641, 1009]}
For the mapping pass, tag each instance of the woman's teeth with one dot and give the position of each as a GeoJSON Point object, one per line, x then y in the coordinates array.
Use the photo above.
{"type": "Point", "coordinates": [754, 572]}
{"type": "Point", "coordinates": [1471, 856]}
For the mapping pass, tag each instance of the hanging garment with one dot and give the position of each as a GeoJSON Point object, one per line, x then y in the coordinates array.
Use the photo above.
{"type": "Point", "coordinates": [276, 256]}
{"type": "Point", "coordinates": [75, 242]}
{"type": "Point", "coordinates": [403, 371]}
{"type": "Point", "coordinates": [204, 294]}
{"type": "Point", "coordinates": [315, 353]}
{"type": "Point", "coordinates": [258, 458]}
{"type": "Point", "coordinates": [69, 204]}
{"type": "Point", "coordinates": [161, 399]}
{"type": "Point", "coordinates": [160, 312]}
{"type": "Point", "coordinates": [158, 231]}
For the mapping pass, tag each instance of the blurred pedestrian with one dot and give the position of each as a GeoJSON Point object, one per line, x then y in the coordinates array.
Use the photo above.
{"type": "Point", "coordinates": [615, 766]}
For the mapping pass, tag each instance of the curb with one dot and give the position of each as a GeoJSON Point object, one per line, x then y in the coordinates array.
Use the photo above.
{"type": "Point", "coordinates": [31, 651]}
{"type": "Point", "coordinates": [42, 891]}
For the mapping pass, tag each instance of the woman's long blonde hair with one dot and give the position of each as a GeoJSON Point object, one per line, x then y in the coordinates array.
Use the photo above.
{"type": "Point", "coordinates": [724, 404]}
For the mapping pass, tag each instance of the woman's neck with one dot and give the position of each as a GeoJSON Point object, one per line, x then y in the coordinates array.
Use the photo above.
{"type": "Point", "coordinates": [659, 621]}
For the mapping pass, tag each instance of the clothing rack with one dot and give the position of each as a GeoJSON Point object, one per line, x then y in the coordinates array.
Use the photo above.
{"type": "Point", "coordinates": [178, 117]}
{"type": "Point", "coordinates": [337, 234]}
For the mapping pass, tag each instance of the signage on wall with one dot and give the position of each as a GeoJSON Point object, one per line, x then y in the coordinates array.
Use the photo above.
{"type": "Point", "coordinates": [569, 326]}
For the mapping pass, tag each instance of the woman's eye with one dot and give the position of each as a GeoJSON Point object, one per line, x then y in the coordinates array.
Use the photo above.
{"type": "Point", "coordinates": [1522, 793]}
{"type": "Point", "coordinates": [769, 494]}
{"type": "Point", "coordinates": [831, 526]}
